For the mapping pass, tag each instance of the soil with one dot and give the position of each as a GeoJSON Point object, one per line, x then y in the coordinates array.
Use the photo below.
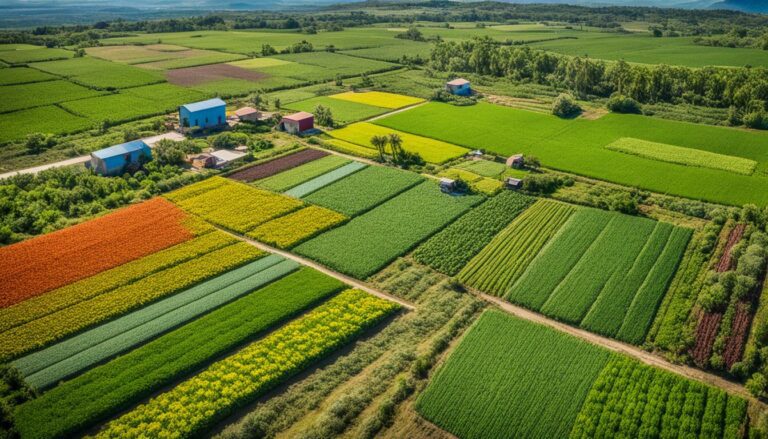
{"type": "Point", "coordinates": [733, 238]}
{"type": "Point", "coordinates": [200, 75]}
{"type": "Point", "coordinates": [706, 333]}
{"type": "Point", "coordinates": [277, 165]}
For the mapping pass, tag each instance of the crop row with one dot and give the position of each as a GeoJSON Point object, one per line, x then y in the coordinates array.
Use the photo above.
{"type": "Point", "coordinates": [195, 405]}
{"type": "Point", "coordinates": [58, 325]}
{"type": "Point", "coordinates": [297, 227]}
{"type": "Point", "coordinates": [21, 96]}
{"type": "Point", "coordinates": [505, 258]}
{"type": "Point", "coordinates": [103, 391]}
{"type": "Point", "coordinates": [46, 367]}
{"type": "Point", "coordinates": [236, 206]}
{"type": "Point", "coordinates": [512, 378]}
{"type": "Point", "coordinates": [295, 176]}
{"type": "Point", "coordinates": [93, 72]}
{"type": "Point", "coordinates": [364, 190]}
{"type": "Point", "coordinates": [51, 261]}
{"type": "Point", "coordinates": [368, 242]}
{"type": "Point", "coordinates": [69, 295]}
{"type": "Point", "coordinates": [630, 399]}
{"type": "Point", "coordinates": [450, 249]}
{"type": "Point", "coordinates": [325, 179]}
{"type": "Point", "coordinates": [280, 164]}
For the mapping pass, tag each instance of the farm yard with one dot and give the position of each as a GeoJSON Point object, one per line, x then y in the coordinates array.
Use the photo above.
{"type": "Point", "coordinates": [385, 220]}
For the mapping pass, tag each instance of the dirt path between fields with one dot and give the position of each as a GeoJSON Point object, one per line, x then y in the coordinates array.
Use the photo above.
{"type": "Point", "coordinates": [626, 349]}
{"type": "Point", "coordinates": [382, 116]}
{"type": "Point", "coordinates": [354, 283]}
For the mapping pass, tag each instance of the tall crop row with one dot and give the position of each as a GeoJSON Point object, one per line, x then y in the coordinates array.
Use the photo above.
{"type": "Point", "coordinates": [450, 249]}
{"type": "Point", "coordinates": [630, 399]}
{"type": "Point", "coordinates": [195, 405]}
{"type": "Point", "coordinates": [504, 259]}
{"type": "Point", "coordinates": [55, 326]}
{"type": "Point", "coordinates": [78, 404]}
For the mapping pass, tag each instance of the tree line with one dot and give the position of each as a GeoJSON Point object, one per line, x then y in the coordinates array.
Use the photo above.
{"type": "Point", "coordinates": [744, 90]}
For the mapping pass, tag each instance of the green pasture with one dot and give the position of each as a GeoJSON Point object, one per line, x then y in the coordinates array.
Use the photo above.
{"type": "Point", "coordinates": [98, 73]}
{"type": "Point", "coordinates": [343, 111]}
{"type": "Point", "coordinates": [33, 55]}
{"type": "Point", "coordinates": [46, 119]}
{"type": "Point", "coordinates": [17, 97]}
{"type": "Point", "coordinates": [23, 75]}
{"type": "Point", "coordinates": [393, 53]}
{"type": "Point", "coordinates": [578, 146]}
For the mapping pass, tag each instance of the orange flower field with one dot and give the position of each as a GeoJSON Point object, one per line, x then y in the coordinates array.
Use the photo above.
{"type": "Point", "coordinates": [33, 267]}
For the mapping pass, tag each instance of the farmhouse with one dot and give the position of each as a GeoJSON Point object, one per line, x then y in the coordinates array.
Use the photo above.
{"type": "Point", "coordinates": [201, 161]}
{"type": "Point", "coordinates": [297, 123]}
{"type": "Point", "coordinates": [116, 159]}
{"type": "Point", "coordinates": [459, 87]}
{"type": "Point", "coordinates": [204, 114]}
{"type": "Point", "coordinates": [248, 114]}
{"type": "Point", "coordinates": [516, 161]}
{"type": "Point", "coordinates": [447, 185]}
{"type": "Point", "coordinates": [513, 183]}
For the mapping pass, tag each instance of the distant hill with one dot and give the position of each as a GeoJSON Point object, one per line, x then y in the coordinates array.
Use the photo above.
{"type": "Point", "coordinates": [759, 6]}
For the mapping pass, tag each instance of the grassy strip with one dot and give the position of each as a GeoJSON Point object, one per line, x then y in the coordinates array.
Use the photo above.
{"type": "Point", "coordinates": [293, 177]}
{"type": "Point", "coordinates": [320, 182]}
{"type": "Point", "coordinates": [132, 334]}
{"type": "Point", "coordinates": [512, 378]}
{"type": "Point", "coordinates": [683, 156]}
{"type": "Point", "coordinates": [297, 227]}
{"type": "Point", "coordinates": [558, 258]}
{"type": "Point", "coordinates": [370, 241]}
{"type": "Point", "coordinates": [507, 256]}
{"type": "Point", "coordinates": [105, 390]}
{"type": "Point", "coordinates": [56, 326]}
{"type": "Point", "coordinates": [193, 407]}
{"type": "Point", "coordinates": [364, 190]}
{"type": "Point", "coordinates": [104, 282]}
{"type": "Point", "coordinates": [610, 258]}
{"type": "Point", "coordinates": [450, 249]}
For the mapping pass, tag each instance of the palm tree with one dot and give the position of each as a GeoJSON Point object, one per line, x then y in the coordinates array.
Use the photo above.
{"type": "Point", "coordinates": [380, 143]}
{"type": "Point", "coordinates": [396, 143]}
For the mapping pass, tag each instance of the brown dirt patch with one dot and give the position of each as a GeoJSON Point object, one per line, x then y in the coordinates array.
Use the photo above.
{"type": "Point", "coordinates": [199, 75]}
{"type": "Point", "coordinates": [593, 113]}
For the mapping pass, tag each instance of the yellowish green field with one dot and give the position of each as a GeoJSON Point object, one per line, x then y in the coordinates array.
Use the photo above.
{"type": "Point", "coordinates": [431, 150]}
{"type": "Point", "coordinates": [379, 99]}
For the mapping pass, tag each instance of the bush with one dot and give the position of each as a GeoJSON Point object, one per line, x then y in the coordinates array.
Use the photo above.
{"type": "Point", "coordinates": [229, 140]}
{"type": "Point", "coordinates": [622, 104]}
{"type": "Point", "coordinates": [565, 106]}
{"type": "Point", "coordinates": [756, 120]}
{"type": "Point", "coordinates": [542, 183]}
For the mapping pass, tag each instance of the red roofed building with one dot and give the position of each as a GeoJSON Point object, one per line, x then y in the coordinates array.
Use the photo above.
{"type": "Point", "coordinates": [297, 123]}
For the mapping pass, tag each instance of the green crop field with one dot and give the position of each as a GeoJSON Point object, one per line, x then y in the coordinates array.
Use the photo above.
{"type": "Point", "coordinates": [37, 94]}
{"type": "Point", "coordinates": [46, 119]}
{"type": "Point", "coordinates": [97, 73]}
{"type": "Point", "coordinates": [295, 176]}
{"type": "Point", "coordinates": [483, 167]}
{"type": "Point", "coordinates": [23, 75]}
{"type": "Point", "coordinates": [578, 146]}
{"type": "Point", "coordinates": [451, 249]}
{"type": "Point", "coordinates": [364, 190]}
{"type": "Point", "coordinates": [343, 112]}
{"type": "Point", "coordinates": [33, 55]}
{"type": "Point", "coordinates": [509, 377]}
{"type": "Point", "coordinates": [370, 241]}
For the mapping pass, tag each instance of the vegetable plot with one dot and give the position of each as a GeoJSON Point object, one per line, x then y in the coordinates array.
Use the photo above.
{"type": "Point", "coordinates": [296, 227]}
{"type": "Point", "coordinates": [193, 406]}
{"type": "Point", "coordinates": [280, 164]}
{"type": "Point", "coordinates": [293, 177]}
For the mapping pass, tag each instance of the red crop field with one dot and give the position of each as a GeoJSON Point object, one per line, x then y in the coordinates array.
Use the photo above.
{"type": "Point", "coordinates": [725, 261]}
{"type": "Point", "coordinates": [278, 165]}
{"type": "Point", "coordinates": [735, 344]}
{"type": "Point", "coordinates": [706, 332]}
{"type": "Point", "coordinates": [32, 267]}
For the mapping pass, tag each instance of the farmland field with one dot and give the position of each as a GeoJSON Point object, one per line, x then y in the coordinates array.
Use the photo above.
{"type": "Point", "coordinates": [378, 99]}
{"type": "Point", "coordinates": [94, 72]}
{"type": "Point", "coordinates": [275, 166]}
{"type": "Point", "coordinates": [293, 177]}
{"type": "Point", "coordinates": [368, 242]}
{"type": "Point", "coordinates": [577, 146]}
{"type": "Point", "coordinates": [20, 96]}
{"type": "Point", "coordinates": [343, 111]}
{"type": "Point", "coordinates": [319, 182]}
{"type": "Point", "coordinates": [296, 227]}
{"type": "Point", "coordinates": [45, 119]}
{"type": "Point", "coordinates": [33, 55]}
{"type": "Point", "coordinates": [23, 75]}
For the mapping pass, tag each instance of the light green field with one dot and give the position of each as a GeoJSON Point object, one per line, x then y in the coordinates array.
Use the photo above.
{"type": "Point", "coordinates": [578, 146]}
{"type": "Point", "coordinates": [257, 63]}
{"type": "Point", "coordinates": [28, 55]}
{"type": "Point", "coordinates": [343, 111]}
{"type": "Point", "coordinates": [23, 75]}
{"type": "Point", "coordinates": [431, 150]}
{"type": "Point", "coordinates": [47, 119]}
{"type": "Point", "coordinates": [17, 97]}
{"type": "Point", "coordinates": [98, 73]}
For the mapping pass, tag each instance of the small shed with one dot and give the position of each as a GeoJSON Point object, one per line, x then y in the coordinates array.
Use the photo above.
{"type": "Point", "coordinates": [225, 156]}
{"type": "Point", "coordinates": [202, 161]}
{"type": "Point", "coordinates": [297, 123]}
{"type": "Point", "coordinates": [513, 183]}
{"type": "Point", "coordinates": [516, 161]}
{"type": "Point", "coordinates": [117, 159]}
{"type": "Point", "coordinates": [447, 185]}
{"type": "Point", "coordinates": [248, 114]}
{"type": "Point", "coordinates": [476, 154]}
{"type": "Point", "coordinates": [204, 114]}
{"type": "Point", "coordinates": [459, 87]}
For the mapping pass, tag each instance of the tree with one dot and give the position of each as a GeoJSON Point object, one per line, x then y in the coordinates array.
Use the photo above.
{"type": "Point", "coordinates": [277, 103]}
{"type": "Point", "coordinates": [267, 50]}
{"type": "Point", "coordinates": [38, 142]}
{"type": "Point", "coordinates": [565, 106]}
{"type": "Point", "coordinates": [533, 162]}
{"type": "Point", "coordinates": [380, 143]}
{"type": "Point", "coordinates": [256, 100]}
{"type": "Point", "coordinates": [396, 145]}
{"type": "Point", "coordinates": [168, 152]}
{"type": "Point", "coordinates": [324, 116]}
{"type": "Point", "coordinates": [619, 103]}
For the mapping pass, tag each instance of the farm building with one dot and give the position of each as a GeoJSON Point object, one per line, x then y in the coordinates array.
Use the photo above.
{"type": "Point", "coordinates": [459, 87]}
{"type": "Point", "coordinates": [201, 161]}
{"type": "Point", "coordinates": [248, 114]}
{"type": "Point", "coordinates": [513, 183]}
{"type": "Point", "coordinates": [204, 114]}
{"type": "Point", "coordinates": [297, 123]}
{"type": "Point", "coordinates": [516, 161]}
{"type": "Point", "coordinates": [116, 159]}
{"type": "Point", "coordinates": [447, 185]}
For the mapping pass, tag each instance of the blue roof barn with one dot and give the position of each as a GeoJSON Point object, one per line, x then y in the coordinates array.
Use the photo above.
{"type": "Point", "coordinates": [115, 159]}
{"type": "Point", "coordinates": [204, 114]}
{"type": "Point", "coordinates": [459, 87]}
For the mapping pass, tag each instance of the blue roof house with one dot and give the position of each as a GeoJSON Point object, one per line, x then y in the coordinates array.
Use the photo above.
{"type": "Point", "coordinates": [459, 87]}
{"type": "Point", "coordinates": [115, 159]}
{"type": "Point", "coordinates": [204, 114]}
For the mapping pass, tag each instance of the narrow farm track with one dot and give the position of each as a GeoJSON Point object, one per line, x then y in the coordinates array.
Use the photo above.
{"type": "Point", "coordinates": [321, 268]}
{"type": "Point", "coordinates": [399, 110]}
{"type": "Point", "coordinates": [629, 350]}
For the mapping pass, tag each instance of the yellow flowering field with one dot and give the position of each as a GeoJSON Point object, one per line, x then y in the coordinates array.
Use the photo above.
{"type": "Point", "coordinates": [193, 406]}
{"type": "Point", "coordinates": [297, 227]}
{"type": "Point", "coordinates": [378, 99]}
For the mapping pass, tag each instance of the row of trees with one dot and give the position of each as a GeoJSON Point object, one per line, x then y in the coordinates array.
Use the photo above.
{"type": "Point", "coordinates": [400, 156]}
{"type": "Point", "coordinates": [745, 89]}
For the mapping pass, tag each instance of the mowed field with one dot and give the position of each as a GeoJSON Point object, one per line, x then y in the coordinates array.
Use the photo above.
{"type": "Point", "coordinates": [582, 147]}
{"type": "Point", "coordinates": [512, 378]}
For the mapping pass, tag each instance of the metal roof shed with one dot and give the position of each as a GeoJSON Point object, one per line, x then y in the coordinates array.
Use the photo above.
{"type": "Point", "coordinates": [203, 114]}
{"type": "Point", "coordinates": [114, 160]}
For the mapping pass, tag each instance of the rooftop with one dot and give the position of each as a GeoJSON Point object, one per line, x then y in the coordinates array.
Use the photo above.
{"type": "Point", "coordinates": [301, 115]}
{"type": "Point", "coordinates": [204, 105]}
{"type": "Point", "coordinates": [123, 148]}
{"type": "Point", "coordinates": [245, 111]}
{"type": "Point", "coordinates": [458, 81]}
